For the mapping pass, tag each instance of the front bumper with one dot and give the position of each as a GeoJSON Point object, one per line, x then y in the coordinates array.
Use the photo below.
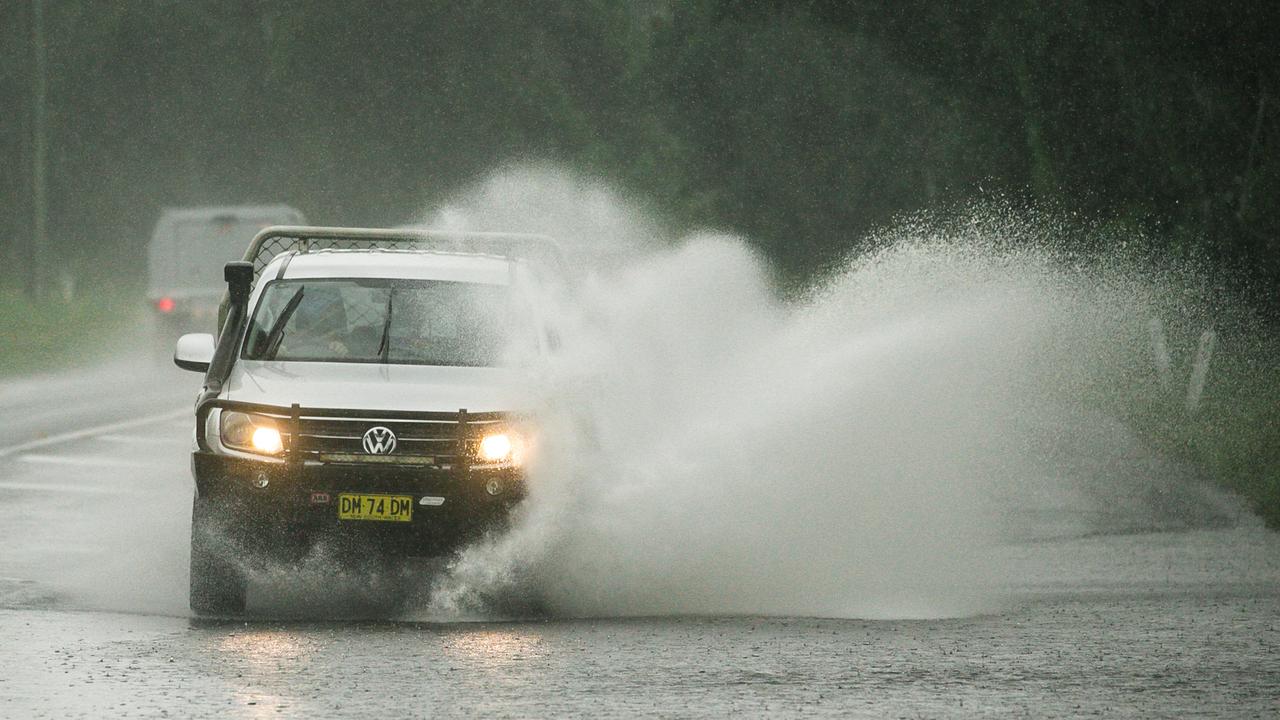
{"type": "Point", "coordinates": [297, 506]}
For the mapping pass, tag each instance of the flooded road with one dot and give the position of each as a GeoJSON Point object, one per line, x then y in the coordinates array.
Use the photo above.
{"type": "Point", "coordinates": [1169, 622]}
{"type": "Point", "coordinates": [1176, 651]}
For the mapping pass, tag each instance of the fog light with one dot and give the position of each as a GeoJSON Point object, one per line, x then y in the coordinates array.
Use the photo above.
{"type": "Point", "coordinates": [261, 481]}
{"type": "Point", "coordinates": [493, 487]}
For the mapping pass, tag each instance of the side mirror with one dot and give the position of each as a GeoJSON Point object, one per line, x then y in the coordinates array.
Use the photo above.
{"type": "Point", "coordinates": [194, 352]}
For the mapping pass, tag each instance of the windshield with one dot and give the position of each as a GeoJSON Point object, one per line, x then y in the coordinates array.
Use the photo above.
{"type": "Point", "coordinates": [408, 322]}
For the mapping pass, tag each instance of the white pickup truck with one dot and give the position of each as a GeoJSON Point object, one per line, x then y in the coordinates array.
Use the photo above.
{"type": "Point", "coordinates": [359, 395]}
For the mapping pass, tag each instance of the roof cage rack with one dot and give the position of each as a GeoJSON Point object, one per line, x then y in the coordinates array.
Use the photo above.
{"type": "Point", "coordinates": [272, 241]}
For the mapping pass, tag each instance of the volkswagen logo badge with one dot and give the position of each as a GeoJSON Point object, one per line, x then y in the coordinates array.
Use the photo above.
{"type": "Point", "coordinates": [379, 440]}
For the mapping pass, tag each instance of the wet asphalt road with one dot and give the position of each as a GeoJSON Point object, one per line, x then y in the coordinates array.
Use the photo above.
{"type": "Point", "coordinates": [96, 499]}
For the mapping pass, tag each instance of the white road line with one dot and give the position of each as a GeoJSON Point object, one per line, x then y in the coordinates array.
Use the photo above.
{"type": "Point", "coordinates": [144, 439]}
{"type": "Point", "coordinates": [82, 460]}
{"type": "Point", "coordinates": [91, 432]}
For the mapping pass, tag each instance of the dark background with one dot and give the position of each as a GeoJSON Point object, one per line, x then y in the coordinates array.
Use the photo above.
{"type": "Point", "coordinates": [801, 125]}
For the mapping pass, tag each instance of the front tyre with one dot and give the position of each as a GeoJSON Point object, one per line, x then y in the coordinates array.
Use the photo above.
{"type": "Point", "coordinates": [218, 586]}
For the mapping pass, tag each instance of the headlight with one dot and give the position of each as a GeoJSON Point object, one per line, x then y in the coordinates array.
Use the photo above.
{"type": "Point", "coordinates": [502, 449]}
{"type": "Point", "coordinates": [495, 448]}
{"type": "Point", "coordinates": [267, 440]}
{"type": "Point", "coordinates": [252, 433]}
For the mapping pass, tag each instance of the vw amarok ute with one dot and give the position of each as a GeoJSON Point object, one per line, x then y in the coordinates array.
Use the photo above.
{"type": "Point", "coordinates": [359, 394]}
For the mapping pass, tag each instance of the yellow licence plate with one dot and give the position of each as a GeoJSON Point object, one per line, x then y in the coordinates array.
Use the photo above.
{"type": "Point", "coordinates": [391, 508]}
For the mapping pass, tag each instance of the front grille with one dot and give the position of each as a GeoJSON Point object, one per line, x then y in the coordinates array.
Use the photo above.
{"type": "Point", "coordinates": [425, 439]}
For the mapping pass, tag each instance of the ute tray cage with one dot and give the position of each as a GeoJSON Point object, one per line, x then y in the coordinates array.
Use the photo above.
{"type": "Point", "coordinates": [272, 241]}
{"type": "Point", "coordinates": [541, 250]}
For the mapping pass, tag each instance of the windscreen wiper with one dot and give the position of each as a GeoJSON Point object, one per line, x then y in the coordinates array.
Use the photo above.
{"type": "Point", "coordinates": [274, 337]}
{"type": "Point", "coordinates": [384, 345]}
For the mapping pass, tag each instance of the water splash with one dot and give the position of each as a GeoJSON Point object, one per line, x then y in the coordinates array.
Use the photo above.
{"type": "Point", "coordinates": [863, 451]}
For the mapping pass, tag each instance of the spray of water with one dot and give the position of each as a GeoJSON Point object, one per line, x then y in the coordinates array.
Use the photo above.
{"type": "Point", "coordinates": [707, 447]}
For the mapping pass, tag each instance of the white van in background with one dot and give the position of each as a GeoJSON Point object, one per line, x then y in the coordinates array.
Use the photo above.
{"type": "Point", "coordinates": [184, 261]}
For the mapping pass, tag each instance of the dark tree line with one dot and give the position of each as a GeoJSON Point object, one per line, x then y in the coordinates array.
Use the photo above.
{"type": "Point", "coordinates": [800, 124]}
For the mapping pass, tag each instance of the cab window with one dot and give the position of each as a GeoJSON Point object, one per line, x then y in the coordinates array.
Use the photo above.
{"type": "Point", "coordinates": [412, 322]}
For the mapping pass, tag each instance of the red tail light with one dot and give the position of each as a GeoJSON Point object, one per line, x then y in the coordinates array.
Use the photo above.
{"type": "Point", "coordinates": [165, 304]}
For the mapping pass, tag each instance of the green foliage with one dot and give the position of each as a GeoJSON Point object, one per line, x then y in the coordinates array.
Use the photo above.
{"type": "Point", "coordinates": [801, 125]}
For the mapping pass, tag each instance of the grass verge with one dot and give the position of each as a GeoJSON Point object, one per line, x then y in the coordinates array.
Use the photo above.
{"type": "Point", "coordinates": [1234, 432]}
{"type": "Point", "coordinates": [53, 333]}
